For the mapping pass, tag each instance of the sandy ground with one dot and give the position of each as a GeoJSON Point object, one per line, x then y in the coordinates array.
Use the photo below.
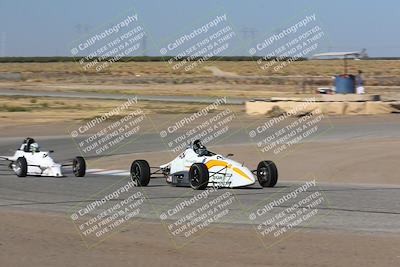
{"type": "Point", "coordinates": [213, 88]}
{"type": "Point", "coordinates": [31, 239]}
{"type": "Point", "coordinates": [60, 127]}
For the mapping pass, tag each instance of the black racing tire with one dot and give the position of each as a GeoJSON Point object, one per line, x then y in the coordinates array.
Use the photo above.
{"type": "Point", "coordinates": [21, 165]}
{"type": "Point", "coordinates": [140, 172]}
{"type": "Point", "coordinates": [267, 173]}
{"type": "Point", "coordinates": [79, 167]}
{"type": "Point", "coordinates": [198, 176]}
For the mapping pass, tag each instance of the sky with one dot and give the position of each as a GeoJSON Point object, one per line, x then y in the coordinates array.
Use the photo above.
{"type": "Point", "coordinates": [53, 27]}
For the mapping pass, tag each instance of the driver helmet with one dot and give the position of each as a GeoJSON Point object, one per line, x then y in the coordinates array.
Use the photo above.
{"type": "Point", "coordinates": [26, 145]}
{"type": "Point", "coordinates": [35, 147]}
{"type": "Point", "coordinates": [199, 148]}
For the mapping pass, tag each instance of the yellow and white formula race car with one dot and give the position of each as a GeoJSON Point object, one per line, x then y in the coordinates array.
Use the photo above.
{"type": "Point", "coordinates": [28, 160]}
{"type": "Point", "coordinates": [198, 168]}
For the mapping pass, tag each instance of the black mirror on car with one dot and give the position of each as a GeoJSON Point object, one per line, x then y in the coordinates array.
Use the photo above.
{"type": "Point", "coordinates": [51, 151]}
{"type": "Point", "coordinates": [229, 155]}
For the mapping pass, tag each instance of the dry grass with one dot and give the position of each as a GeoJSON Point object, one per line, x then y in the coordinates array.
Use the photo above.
{"type": "Point", "coordinates": [303, 68]}
{"type": "Point", "coordinates": [158, 78]}
{"type": "Point", "coordinates": [28, 110]}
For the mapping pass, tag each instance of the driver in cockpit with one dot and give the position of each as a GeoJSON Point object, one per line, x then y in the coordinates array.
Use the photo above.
{"type": "Point", "coordinates": [200, 149]}
{"type": "Point", "coordinates": [29, 145]}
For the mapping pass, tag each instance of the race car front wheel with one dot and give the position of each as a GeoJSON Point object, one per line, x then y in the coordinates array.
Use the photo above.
{"type": "Point", "coordinates": [79, 167]}
{"type": "Point", "coordinates": [198, 176]}
{"type": "Point", "coordinates": [21, 167]}
{"type": "Point", "coordinates": [267, 173]}
{"type": "Point", "coordinates": [140, 172]}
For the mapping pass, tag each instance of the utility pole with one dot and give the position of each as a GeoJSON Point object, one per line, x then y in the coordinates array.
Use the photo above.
{"type": "Point", "coordinates": [144, 45]}
{"type": "Point", "coordinates": [3, 44]}
{"type": "Point", "coordinates": [249, 33]}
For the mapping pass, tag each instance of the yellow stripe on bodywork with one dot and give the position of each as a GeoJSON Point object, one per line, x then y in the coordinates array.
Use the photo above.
{"type": "Point", "coordinates": [213, 163]}
{"type": "Point", "coordinates": [240, 172]}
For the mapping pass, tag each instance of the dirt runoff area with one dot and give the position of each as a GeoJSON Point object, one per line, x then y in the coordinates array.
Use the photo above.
{"type": "Point", "coordinates": [35, 239]}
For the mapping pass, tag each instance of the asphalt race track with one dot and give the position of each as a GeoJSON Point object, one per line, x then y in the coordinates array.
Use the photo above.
{"type": "Point", "coordinates": [180, 99]}
{"type": "Point", "coordinates": [357, 208]}
{"type": "Point", "coordinates": [354, 207]}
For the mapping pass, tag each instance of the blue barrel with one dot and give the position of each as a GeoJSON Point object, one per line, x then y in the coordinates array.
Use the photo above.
{"type": "Point", "coordinates": [345, 84]}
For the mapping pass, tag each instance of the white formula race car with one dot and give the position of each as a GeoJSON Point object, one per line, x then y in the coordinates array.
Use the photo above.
{"type": "Point", "coordinates": [29, 160]}
{"type": "Point", "coordinates": [198, 168]}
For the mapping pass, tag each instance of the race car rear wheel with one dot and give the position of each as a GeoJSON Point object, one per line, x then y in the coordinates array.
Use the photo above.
{"type": "Point", "coordinates": [140, 172]}
{"type": "Point", "coordinates": [79, 166]}
{"type": "Point", "coordinates": [267, 173]}
{"type": "Point", "coordinates": [21, 167]}
{"type": "Point", "coordinates": [198, 176]}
